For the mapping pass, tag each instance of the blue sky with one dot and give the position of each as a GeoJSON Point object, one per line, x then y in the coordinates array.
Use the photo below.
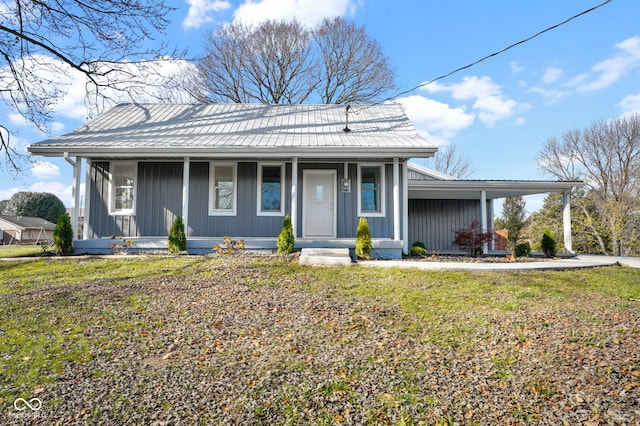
{"type": "Point", "coordinates": [498, 113]}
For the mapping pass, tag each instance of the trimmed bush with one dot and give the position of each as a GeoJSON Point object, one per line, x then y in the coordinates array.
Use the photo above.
{"type": "Point", "coordinates": [522, 250]}
{"type": "Point", "coordinates": [363, 240]}
{"type": "Point", "coordinates": [419, 244]}
{"type": "Point", "coordinates": [177, 238]}
{"type": "Point", "coordinates": [418, 251]}
{"type": "Point", "coordinates": [63, 236]}
{"type": "Point", "coordinates": [286, 241]}
{"type": "Point", "coordinates": [548, 243]}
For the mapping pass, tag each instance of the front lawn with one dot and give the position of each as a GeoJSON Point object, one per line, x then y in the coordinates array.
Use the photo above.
{"type": "Point", "coordinates": [262, 340]}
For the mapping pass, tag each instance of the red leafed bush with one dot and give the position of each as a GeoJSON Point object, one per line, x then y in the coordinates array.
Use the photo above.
{"type": "Point", "coordinates": [472, 239]}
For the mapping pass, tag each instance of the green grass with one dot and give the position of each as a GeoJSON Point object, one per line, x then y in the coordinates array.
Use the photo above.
{"type": "Point", "coordinates": [39, 335]}
{"type": "Point", "coordinates": [20, 251]}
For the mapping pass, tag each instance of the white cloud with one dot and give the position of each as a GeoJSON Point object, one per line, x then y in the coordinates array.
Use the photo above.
{"type": "Point", "coordinates": [435, 121]}
{"type": "Point", "coordinates": [630, 104]}
{"type": "Point", "coordinates": [201, 12]}
{"type": "Point", "coordinates": [150, 85]}
{"type": "Point", "coordinates": [611, 70]}
{"type": "Point", "coordinates": [516, 67]}
{"type": "Point", "coordinates": [491, 105]}
{"type": "Point", "coordinates": [57, 127]}
{"type": "Point", "coordinates": [551, 75]}
{"type": "Point", "coordinates": [552, 96]}
{"type": "Point", "coordinates": [306, 11]}
{"type": "Point", "coordinates": [58, 189]}
{"type": "Point", "coordinates": [44, 170]}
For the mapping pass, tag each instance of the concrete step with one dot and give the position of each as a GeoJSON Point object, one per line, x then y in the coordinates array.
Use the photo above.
{"type": "Point", "coordinates": [325, 256]}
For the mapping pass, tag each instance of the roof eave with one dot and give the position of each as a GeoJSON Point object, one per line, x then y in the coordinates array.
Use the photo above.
{"type": "Point", "coordinates": [248, 152]}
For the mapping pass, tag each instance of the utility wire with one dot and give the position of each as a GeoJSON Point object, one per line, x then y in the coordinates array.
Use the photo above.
{"type": "Point", "coordinates": [495, 53]}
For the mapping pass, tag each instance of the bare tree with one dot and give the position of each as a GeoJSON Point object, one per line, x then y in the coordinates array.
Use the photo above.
{"type": "Point", "coordinates": [607, 157]}
{"type": "Point", "coordinates": [41, 42]}
{"type": "Point", "coordinates": [283, 62]}
{"type": "Point", "coordinates": [269, 64]}
{"type": "Point", "coordinates": [451, 162]}
{"type": "Point", "coordinates": [352, 65]}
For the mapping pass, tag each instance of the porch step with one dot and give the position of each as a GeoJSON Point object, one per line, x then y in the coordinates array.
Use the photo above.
{"type": "Point", "coordinates": [325, 256]}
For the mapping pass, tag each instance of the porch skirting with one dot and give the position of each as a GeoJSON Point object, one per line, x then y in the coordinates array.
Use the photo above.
{"type": "Point", "coordinates": [382, 248]}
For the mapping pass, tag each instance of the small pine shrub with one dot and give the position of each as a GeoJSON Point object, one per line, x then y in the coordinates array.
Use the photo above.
{"type": "Point", "coordinates": [363, 240]}
{"type": "Point", "coordinates": [418, 251]}
{"type": "Point", "coordinates": [63, 236]}
{"type": "Point", "coordinates": [548, 243]}
{"type": "Point", "coordinates": [419, 244]}
{"type": "Point", "coordinates": [286, 241]}
{"type": "Point", "coordinates": [177, 238]}
{"type": "Point", "coordinates": [522, 250]}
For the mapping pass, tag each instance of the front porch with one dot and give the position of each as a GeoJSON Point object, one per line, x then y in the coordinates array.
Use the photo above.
{"type": "Point", "coordinates": [383, 248]}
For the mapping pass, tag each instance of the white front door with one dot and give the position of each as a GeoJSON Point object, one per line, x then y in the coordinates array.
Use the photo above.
{"type": "Point", "coordinates": [318, 204]}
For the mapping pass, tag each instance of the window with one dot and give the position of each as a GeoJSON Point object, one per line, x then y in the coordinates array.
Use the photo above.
{"type": "Point", "coordinates": [222, 192]}
{"type": "Point", "coordinates": [371, 188]}
{"type": "Point", "coordinates": [123, 188]}
{"type": "Point", "coordinates": [270, 189]}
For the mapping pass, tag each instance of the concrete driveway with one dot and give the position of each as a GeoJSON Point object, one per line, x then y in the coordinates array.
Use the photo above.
{"type": "Point", "coordinates": [580, 261]}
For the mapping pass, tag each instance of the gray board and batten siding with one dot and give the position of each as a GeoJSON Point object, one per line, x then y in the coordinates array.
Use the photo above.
{"type": "Point", "coordinates": [159, 201]}
{"type": "Point", "coordinates": [434, 222]}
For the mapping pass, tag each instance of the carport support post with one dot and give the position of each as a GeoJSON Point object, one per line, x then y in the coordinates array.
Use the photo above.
{"type": "Point", "coordinates": [483, 216]}
{"type": "Point", "coordinates": [566, 221]}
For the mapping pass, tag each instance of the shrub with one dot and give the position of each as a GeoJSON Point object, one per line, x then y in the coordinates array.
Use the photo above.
{"type": "Point", "coordinates": [472, 239]}
{"type": "Point", "coordinates": [418, 251]}
{"type": "Point", "coordinates": [548, 243]}
{"type": "Point", "coordinates": [522, 250]}
{"type": "Point", "coordinates": [286, 241]}
{"type": "Point", "coordinates": [177, 238]}
{"type": "Point", "coordinates": [363, 240]}
{"type": "Point", "coordinates": [419, 244]}
{"type": "Point", "coordinates": [63, 236]}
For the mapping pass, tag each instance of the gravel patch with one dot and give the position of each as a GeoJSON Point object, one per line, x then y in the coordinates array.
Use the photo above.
{"type": "Point", "coordinates": [219, 349]}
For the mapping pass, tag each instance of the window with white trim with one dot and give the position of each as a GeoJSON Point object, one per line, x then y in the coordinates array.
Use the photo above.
{"type": "Point", "coordinates": [222, 189]}
{"type": "Point", "coordinates": [270, 189]}
{"type": "Point", "coordinates": [123, 188]}
{"type": "Point", "coordinates": [371, 190]}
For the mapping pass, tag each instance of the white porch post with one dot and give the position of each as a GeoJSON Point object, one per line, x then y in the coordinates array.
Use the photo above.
{"type": "Point", "coordinates": [566, 221]}
{"type": "Point", "coordinates": [294, 196]}
{"type": "Point", "coordinates": [405, 207]}
{"type": "Point", "coordinates": [75, 193]}
{"type": "Point", "coordinates": [185, 194]}
{"type": "Point", "coordinates": [483, 216]}
{"type": "Point", "coordinates": [396, 200]}
{"type": "Point", "coordinates": [87, 200]}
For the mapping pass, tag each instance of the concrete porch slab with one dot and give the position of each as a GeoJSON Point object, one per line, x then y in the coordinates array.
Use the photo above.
{"type": "Point", "coordinates": [325, 257]}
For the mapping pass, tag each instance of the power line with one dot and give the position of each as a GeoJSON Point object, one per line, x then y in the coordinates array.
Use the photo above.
{"type": "Point", "coordinates": [496, 53]}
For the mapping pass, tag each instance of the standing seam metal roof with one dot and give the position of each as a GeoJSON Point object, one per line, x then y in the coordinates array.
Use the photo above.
{"type": "Point", "coordinates": [148, 127]}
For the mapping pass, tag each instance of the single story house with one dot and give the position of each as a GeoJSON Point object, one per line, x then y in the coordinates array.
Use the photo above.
{"type": "Point", "coordinates": [237, 169]}
{"type": "Point", "coordinates": [25, 230]}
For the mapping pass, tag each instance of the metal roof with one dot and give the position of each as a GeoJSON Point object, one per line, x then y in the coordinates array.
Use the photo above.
{"type": "Point", "coordinates": [28, 222]}
{"type": "Point", "coordinates": [242, 130]}
{"type": "Point", "coordinates": [435, 185]}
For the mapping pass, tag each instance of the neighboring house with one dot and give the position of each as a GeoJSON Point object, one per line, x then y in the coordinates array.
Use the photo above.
{"type": "Point", "coordinates": [25, 230]}
{"type": "Point", "coordinates": [237, 169]}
